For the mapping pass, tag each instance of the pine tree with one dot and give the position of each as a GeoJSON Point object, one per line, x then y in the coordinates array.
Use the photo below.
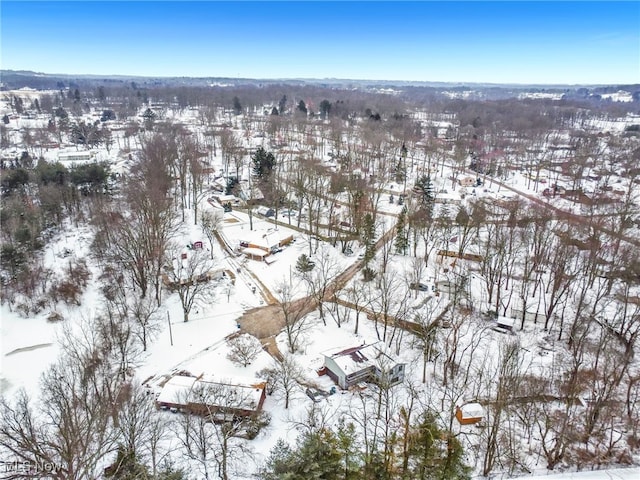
{"type": "Point", "coordinates": [317, 456]}
{"type": "Point", "coordinates": [304, 264]}
{"type": "Point", "coordinates": [402, 240]}
{"type": "Point", "coordinates": [325, 108]}
{"type": "Point", "coordinates": [348, 449]}
{"type": "Point", "coordinates": [279, 463]}
{"type": "Point", "coordinates": [282, 104]}
{"type": "Point", "coordinates": [435, 453]}
{"type": "Point", "coordinates": [367, 237]}
{"type": "Point", "coordinates": [302, 107]}
{"type": "Point", "coordinates": [237, 108]}
{"type": "Point", "coordinates": [263, 163]}
{"type": "Point", "coordinates": [424, 185]}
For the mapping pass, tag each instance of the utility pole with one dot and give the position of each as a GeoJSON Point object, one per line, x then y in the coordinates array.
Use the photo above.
{"type": "Point", "coordinates": [170, 333]}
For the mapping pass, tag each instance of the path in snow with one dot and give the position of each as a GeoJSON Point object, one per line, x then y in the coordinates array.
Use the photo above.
{"type": "Point", "coordinates": [28, 349]}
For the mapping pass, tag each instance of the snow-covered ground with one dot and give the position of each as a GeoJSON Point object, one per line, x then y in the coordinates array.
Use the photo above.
{"type": "Point", "coordinates": [30, 344]}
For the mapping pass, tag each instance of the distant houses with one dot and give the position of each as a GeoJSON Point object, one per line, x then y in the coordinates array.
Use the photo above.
{"type": "Point", "coordinates": [365, 363]}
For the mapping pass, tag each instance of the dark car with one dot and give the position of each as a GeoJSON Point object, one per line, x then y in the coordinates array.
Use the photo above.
{"type": "Point", "coordinates": [419, 286]}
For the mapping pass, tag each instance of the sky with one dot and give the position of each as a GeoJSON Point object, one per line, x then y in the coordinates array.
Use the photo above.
{"type": "Point", "coordinates": [486, 42]}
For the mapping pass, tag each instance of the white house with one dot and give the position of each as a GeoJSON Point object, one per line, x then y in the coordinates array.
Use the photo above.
{"type": "Point", "coordinates": [365, 363]}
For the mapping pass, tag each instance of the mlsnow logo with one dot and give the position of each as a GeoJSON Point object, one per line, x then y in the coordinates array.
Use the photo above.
{"type": "Point", "coordinates": [28, 467]}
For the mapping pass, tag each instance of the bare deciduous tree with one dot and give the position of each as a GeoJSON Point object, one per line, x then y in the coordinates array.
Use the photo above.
{"type": "Point", "coordinates": [284, 378]}
{"type": "Point", "coordinates": [71, 426]}
{"type": "Point", "coordinates": [189, 277]}
{"type": "Point", "coordinates": [244, 349]}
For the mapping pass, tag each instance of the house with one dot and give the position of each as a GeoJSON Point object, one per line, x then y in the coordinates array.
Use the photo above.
{"type": "Point", "coordinates": [265, 211]}
{"type": "Point", "coordinates": [469, 413]}
{"type": "Point", "coordinates": [223, 399]}
{"type": "Point", "coordinates": [76, 156]}
{"type": "Point", "coordinates": [441, 254]}
{"type": "Point", "coordinates": [222, 199]}
{"type": "Point", "coordinates": [365, 363]}
{"type": "Point", "coordinates": [467, 182]}
{"type": "Point", "coordinates": [260, 244]}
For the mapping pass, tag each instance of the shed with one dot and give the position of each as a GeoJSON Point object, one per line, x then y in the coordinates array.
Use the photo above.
{"type": "Point", "coordinates": [505, 323]}
{"type": "Point", "coordinates": [469, 413]}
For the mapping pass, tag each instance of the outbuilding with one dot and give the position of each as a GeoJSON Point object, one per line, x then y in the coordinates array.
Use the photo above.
{"type": "Point", "coordinates": [469, 413]}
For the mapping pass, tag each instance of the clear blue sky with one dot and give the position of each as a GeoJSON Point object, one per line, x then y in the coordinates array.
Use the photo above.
{"type": "Point", "coordinates": [501, 42]}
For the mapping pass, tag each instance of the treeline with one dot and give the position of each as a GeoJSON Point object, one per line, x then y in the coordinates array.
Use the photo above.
{"type": "Point", "coordinates": [36, 200]}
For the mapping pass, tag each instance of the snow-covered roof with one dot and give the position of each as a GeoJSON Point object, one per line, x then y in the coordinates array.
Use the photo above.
{"type": "Point", "coordinates": [176, 390]}
{"type": "Point", "coordinates": [266, 239]}
{"type": "Point", "coordinates": [354, 359]}
{"type": "Point", "coordinates": [258, 252]}
{"type": "Point", "coordinates": [506, 321]}
{"type": "Point", "coordinates": [472, 410]}
{"type": "Point", "coordinates": [241, 394]}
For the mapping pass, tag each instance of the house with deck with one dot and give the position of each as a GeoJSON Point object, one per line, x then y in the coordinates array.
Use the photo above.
{"type": "Point", "coordinates": [365, 363]}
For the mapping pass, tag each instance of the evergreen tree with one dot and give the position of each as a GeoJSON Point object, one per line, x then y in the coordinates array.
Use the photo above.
{"type": "Point", "coordinates": [348, 449]}
{"type": "Point", "coordinates": [149, 117]}
{"type": "Point", "coordinates": [126, 466]}
{"type": "Point", "coordinates": [424, 186]}
{"type": "Point", "coordinates": [317, 456]}
{"type": "Point", "coordinates": [280, 462]}
{"type": "Point", "coordinates": [325, 108]}
{"type": "Point", "coordinates": [60, 112]}
{"type": "Point", "coordinates": [282, 104]}
{"type": "Point", "coordinates": [302, 107]}
{"type": "Point", "coordinates": [401, 172]}
{"type": "Point", "coordinates": [435, 453]}
{"type": "Point", "coordinates": [237, 108]}
{"type": "Point", "coordinates": [17, 105]}
{"type": "Point", "coordinates": [263, 163]}
{"type": "Point", "coordinates": [402, 240]}
{"type": "Point", "coordinates": [304, 264]}
{"type": "Point", "coordinates": [367, 237]}
{"type": "Point", "coordinates": [102, 96]}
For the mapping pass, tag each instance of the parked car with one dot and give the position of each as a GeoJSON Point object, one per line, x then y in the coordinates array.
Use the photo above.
{"type": "Point", "coordinates": [419, 286]}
